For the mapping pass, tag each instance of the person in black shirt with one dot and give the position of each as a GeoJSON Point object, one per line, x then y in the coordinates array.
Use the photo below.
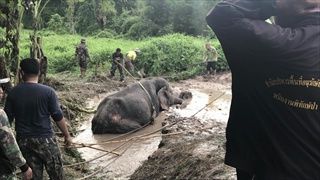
{"type": "Point", "coordinates": [117, 62]}
{"type": "Point", "coordinates": [31, 105]}
{"type": "Point", "coordinates": [274, 124]}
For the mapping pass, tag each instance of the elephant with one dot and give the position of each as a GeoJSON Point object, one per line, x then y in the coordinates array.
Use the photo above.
{"type": "Point", "coordinates": [133, 107]}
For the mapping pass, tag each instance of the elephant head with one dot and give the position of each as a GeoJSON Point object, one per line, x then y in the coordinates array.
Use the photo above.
{"type": "Point", "coordinates": [167, 98]}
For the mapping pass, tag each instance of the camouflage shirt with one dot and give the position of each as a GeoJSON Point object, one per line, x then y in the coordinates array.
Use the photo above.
{"type": "Point", "coordinates": [82, 53]}
{"type": "Point", "coordinates": [10, 154]}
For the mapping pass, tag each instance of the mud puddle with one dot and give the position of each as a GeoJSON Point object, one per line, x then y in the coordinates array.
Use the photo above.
{"type": "Point", "coordinates": [216, 103]}
{"type": "Point", "coordinates": [134, 153]}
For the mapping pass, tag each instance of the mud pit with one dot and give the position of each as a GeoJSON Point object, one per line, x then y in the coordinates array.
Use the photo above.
{"type": "Point", "coordinates": [197, 151]}
{"type": "Point", "coordinates": [134, 152]}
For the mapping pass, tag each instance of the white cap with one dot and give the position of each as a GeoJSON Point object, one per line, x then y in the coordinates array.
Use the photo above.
{"type": "Point", "coordinates": [137, 50]}
{"type": "Point", "coordinates": [4, 80]}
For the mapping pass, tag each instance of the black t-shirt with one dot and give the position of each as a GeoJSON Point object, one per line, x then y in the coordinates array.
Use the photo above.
{"type": "Point", "coordinates": [274, 123]}
{"type": "Point", "coordinates": [117, 57]}
{"type": "Point", "coordinates": [31, 105]}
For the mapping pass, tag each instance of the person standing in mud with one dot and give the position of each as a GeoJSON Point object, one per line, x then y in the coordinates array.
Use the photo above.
{"type": "Point", "coordinates": [130, 62]}
{"type": "Point", "coordinates": [273, 129]}
{"type": "Point", "coordinates": [43, 69]}
{"type": "Point", "coordinates": [117, 62]}
{"type": "Point", "coordinates": [211, 58]}
{"type": "Point", "coordinates": [36, 52]}
{"type": "Point", "coordinates": [10, 154]}
{"type": "Point", "coordinates": [31, 105]}
{"type": "Point", "coordinates": [82, 55]}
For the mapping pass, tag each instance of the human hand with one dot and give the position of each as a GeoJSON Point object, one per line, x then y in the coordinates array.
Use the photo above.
{"type": "Point", "coordinates": [67, 140]}
{"type": "Point", "coordinates": [27, 175]}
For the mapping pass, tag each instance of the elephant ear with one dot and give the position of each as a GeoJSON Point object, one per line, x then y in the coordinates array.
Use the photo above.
{"type": "Point", "coordinates": [163, 98]}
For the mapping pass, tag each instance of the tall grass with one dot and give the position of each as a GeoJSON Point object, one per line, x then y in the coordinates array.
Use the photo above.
{"type": "Point", "coordinates": [173, 55]}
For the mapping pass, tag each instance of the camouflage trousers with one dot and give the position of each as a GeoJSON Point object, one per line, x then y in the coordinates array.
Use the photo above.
{"type": "Point", "coordinates": [40, 153]}
{"type": "Point", "coordinates": [8, 177]}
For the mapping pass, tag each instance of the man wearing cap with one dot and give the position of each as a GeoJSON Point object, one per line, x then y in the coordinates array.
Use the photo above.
{"type": "Point", "coordinates": [274, 124]}
{"type": "Point", "coordinates": [10, 154]}
{"type": "Point", "coordinates": [130, 60]}
{"type": "Point", "coordinates": [82, 55]}
{"type": "Point", "coordinates": [31, 105]}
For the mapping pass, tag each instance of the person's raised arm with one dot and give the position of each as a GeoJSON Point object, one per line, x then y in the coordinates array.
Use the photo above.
{"type": "Point", "coordinates": [240, 25]}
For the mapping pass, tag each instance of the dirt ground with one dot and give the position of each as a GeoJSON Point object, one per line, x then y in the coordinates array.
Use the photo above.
{"type": "Point", "coordinates": [197, 152]}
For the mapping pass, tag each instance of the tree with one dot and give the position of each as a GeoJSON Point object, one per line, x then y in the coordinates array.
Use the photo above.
{"type": "Point", "coordinates": [104, 12]}
{"type": "Point", "coordinates": [10, 18]}
{"type": "Point", "coordinates": [70, 13]}
{"type": "Point", "coordinates": [158, 12]}
{"type": "Point", "coordinates": [36, 8]}
{"type": "Point", "coordinates": [124, 5]}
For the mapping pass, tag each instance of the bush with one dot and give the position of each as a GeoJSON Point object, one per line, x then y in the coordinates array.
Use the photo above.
{"type": "Point", "coordinates": [56, 24]}
{"type": "Point", "coordinates": [142, 29]}
{"type": "Point", "coordinates": [127, 24]}
{"type": "Point", "coordinates": [174, 55]}
{"type": "Point", "coordinates": [177, 56]}
{"type": "Point", "coordinates": [105, 34]}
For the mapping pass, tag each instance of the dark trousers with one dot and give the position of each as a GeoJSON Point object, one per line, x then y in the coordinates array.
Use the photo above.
{"type": "Point", "coordinates": [242, 175]}
{"type": "Point", "coordinates": [114, 67]}
{"type": "Point", "coordinates": [211, 67]}
{"type": "Point", "coordinates": [42, 153]}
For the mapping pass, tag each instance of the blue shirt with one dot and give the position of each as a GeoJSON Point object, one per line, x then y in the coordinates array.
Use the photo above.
{"type": "Point", "coordinates": [31, 105]}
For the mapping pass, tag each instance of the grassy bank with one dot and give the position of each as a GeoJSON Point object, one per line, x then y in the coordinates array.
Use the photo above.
{"type": "Point", "coordinates": [176, 55]}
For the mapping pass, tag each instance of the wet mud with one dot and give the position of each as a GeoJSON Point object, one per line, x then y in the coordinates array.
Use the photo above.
{"type": "Point", "coordinates": [191, 148]}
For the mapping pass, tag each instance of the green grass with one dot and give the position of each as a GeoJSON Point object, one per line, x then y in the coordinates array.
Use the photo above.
{"type": "Point", "coordinates": [174, 55]}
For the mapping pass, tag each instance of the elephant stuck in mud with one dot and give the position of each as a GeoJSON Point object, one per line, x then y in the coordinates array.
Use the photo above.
{"type": "Point", "coordinates": [133, 107]}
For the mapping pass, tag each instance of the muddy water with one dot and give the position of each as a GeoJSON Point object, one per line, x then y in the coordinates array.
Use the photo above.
{"type": "Point", "coordinates": [136, 152]}
{"type": "Point", "coordinates": [218, 108]}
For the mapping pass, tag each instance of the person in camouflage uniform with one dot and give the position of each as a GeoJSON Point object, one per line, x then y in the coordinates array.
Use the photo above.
{"type": "Point", "coordinates": [43, 69]}
{"type": "Point", "coordinates": [82, 55]}
{"type": "Point", "coordinates": [31, 105]}
{"type": "Point", "coordinates": [10, 154]}
{"type": "Point", "coordinates": [117, 62]}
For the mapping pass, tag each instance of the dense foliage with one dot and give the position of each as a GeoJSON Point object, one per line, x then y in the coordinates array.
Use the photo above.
{"type": "Point", "coordinates": [177, 56]}
{"type": "Point", "coordinates": [135, 19]}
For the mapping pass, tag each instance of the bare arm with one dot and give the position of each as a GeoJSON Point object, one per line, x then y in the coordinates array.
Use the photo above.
{"type": "Point", "coordinates": [62, 125]}
{"type": "Point", "coordinates": [57, 116]}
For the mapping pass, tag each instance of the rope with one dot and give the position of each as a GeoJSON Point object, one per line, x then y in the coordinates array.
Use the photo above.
{"type": "Point", "coordinates": [144, 136]}
{"type": "Point", "coordinates": [155, 131]}
{"type": "Point", "coordinates": [98, 157]}
{"type": "Point", "coordinates": [115, 158]}
{"type": "Point", "coordinates": [154, 115]}
{"type": "Point", "coordinates": [82, 145]}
